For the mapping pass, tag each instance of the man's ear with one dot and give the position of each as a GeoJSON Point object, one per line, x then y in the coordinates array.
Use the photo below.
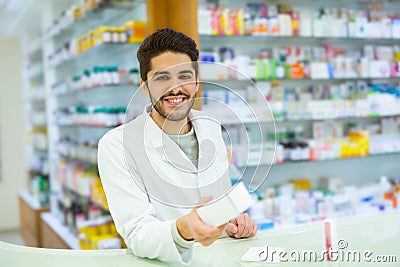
{"type": "Point", "coordinates": [143, 86]}
{"type": "Point", "coordinates": [197, 85]}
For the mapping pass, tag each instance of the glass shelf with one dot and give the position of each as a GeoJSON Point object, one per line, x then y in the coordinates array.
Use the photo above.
{"type": "Point", "coordinates": [86, 126]}
{"type": "Point", "coordinates": [97, 55]}
{"type": "Point", "coordinates": [254, 80]}
{"type": "Point", "coordinates": [100, 88]}
{"type": "Point", "coordinates": [79, 159]}
{"type": "Point", "coordinates": [321, 160]}
{"type": "Point", "coordinates": [244, 121]}
{"type": "Point", "coordinates": [257, 38]}
{"type": "Point", "coordinates": [285, 163]}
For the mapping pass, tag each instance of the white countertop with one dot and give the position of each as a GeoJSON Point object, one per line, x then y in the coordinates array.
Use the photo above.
{"type": "Point", "coordinates": [378, 234]}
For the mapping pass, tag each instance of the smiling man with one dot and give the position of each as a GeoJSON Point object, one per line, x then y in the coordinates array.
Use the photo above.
{"type": "Point", "coordinates": [159, 168]}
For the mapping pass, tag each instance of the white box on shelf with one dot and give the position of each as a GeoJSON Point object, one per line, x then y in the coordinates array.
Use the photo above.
{"type": "Point", "coordinates": [395, 28]}
{"type": "Point", "coordinates": [386, 28]}
{"type": "Point", "coordinates": [374, 30]}
{"type": "Point", "coordinates": [319, 70]}
{"type": "Point", "coordinates": [379, 69]}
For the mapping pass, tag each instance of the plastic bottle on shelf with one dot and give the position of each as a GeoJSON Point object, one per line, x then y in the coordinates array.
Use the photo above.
{"type": "Point", "coordinates": [133, 76]}
{"type": "Point", "coordinates": [122, 38]}
{"type": "Point", "coordinates": [280, 71]}
{"type": "Point", "coordinates": [114, 75]}
{"type": "Point", "coordinates": [106, 34]}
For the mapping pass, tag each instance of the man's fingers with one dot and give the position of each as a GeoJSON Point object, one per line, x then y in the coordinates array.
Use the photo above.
{"type": "Point", "coordinates": [245, 226]}
{"type": "Point", "coordinates": [241, 225]}
{"type": "Point", "coordinates": [231, 229]}
{"type": "Point", "coordinates": [248, 226]}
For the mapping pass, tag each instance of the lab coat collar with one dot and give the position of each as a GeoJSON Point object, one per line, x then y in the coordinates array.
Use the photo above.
{"type": "Point", "coordinates": [156, 135]}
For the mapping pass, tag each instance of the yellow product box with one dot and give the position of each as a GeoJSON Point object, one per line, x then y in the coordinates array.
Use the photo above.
{"type": "Point", "coordinates": [104, 228]}
{"type": "Point", "coordinates": [86, 230]}
{"type": "Point", "coordinates": [358, 136]}
{"type": "Point", "coordinates": [113, 229]}
{"type": "Point", "coordinates": [301, 184]}
{"type": "Point", "coordinates": [97, 193]}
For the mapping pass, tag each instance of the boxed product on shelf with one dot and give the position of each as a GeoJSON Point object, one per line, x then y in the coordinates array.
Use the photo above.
{"type": "Point", "coordinates": [76, 150]}
{"type": "Point", "coordinates": [98, 234]}
{"type": "Point", "coordinates": [296, 202]}
{"type": "Point", "coordinates": [328, 62]}
{"type": "Point", "coordinates": [282, 20]}
{"type": "Point", "coordinates": [131, 32]}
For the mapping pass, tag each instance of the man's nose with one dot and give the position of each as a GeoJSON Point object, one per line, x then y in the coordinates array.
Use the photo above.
{"type": "Point", "coordinates": [175, 85]}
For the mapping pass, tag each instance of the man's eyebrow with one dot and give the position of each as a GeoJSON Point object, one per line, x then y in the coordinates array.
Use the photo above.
{"type": "Point", "coordinates": [186, 71]}
{"type": "Point", "coordinates": [160, 73]}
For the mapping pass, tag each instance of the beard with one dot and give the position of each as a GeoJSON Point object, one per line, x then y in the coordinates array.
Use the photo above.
{"type": "Point", "coordinates": [178, 113]}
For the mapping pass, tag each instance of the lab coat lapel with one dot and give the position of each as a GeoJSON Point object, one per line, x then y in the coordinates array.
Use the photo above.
{"type": "Point", "coordinates": [212, 176]}
{"type": "Point", "coordinates": [207, 149]}
{"type": "Point", "coordinates": [168, 150]}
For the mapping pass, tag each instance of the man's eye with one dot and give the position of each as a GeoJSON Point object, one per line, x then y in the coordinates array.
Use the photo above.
{"type": "Point", "coordinates": [185, 77]}
{"type": "Point", "coordinates": [162, 78]}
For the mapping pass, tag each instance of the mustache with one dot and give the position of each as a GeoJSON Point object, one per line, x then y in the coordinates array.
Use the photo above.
{"type": "Point", "coordinates": [180, 92]}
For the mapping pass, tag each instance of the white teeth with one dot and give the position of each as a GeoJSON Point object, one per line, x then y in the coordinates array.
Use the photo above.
{"type": "Point", "coordinates": [176, 100]}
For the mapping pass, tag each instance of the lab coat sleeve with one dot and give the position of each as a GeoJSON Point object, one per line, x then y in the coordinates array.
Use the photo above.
{"type": "Point", "coordinates": [133, 214]}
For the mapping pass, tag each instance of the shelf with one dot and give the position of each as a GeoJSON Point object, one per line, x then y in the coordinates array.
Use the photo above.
{"type": "Point", "coordinates": [248, 121]}
{"type": "Point", "coordinates": [103, 87]}
{"type": "Point", "coordinates": [61, 230]}
{"type": "Point", "coordinates": [96, 55]}
{"type": "Point", "coordinates": [38, 101]}
{"type": "Point", "coordinates": [322, 160]}
{"type": "Point", "coordinates": [235, 82]}
{"type": "Point", "coordinates": [257, 38]}
{"type": "Point", "coordinates": [39, 125]}
{"type": "Point", "coordinates": [367, 156]}
{"type": "Point", "coordinates": [86, 126]}
{"type": "Point", "coordinates": [102, 15]}
{"type": "Point", "coordinates": [78, 159]}
{"type": "Point", "coordinates": [42, 152]}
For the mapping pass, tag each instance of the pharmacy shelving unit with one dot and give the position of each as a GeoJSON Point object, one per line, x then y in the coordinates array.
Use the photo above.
{"type": "Point", "coordinates": [35, 110]}
{"type": "Point", "coordinates": [69, 138]}
{"type": "Point", "coordinates": [33, 200]}
{"type": "Point", "coordinates": [354, 170]}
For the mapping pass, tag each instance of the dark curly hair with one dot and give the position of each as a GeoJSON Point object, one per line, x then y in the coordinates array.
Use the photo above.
{"type": "Point", "coordinates": [164, 40]}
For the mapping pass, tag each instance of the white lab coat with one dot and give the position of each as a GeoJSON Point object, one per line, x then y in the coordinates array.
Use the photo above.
{"type": "Point", "coordinates": [150, 182]}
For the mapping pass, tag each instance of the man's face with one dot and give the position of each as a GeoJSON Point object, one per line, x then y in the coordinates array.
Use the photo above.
{"type": "Point", "coordinates": [171, 85]}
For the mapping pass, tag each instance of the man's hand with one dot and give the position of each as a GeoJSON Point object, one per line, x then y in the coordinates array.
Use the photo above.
{"type": "Point", "coordinates": [241, 227]}
{"type": "Point", "coordinates": [191, 227]}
